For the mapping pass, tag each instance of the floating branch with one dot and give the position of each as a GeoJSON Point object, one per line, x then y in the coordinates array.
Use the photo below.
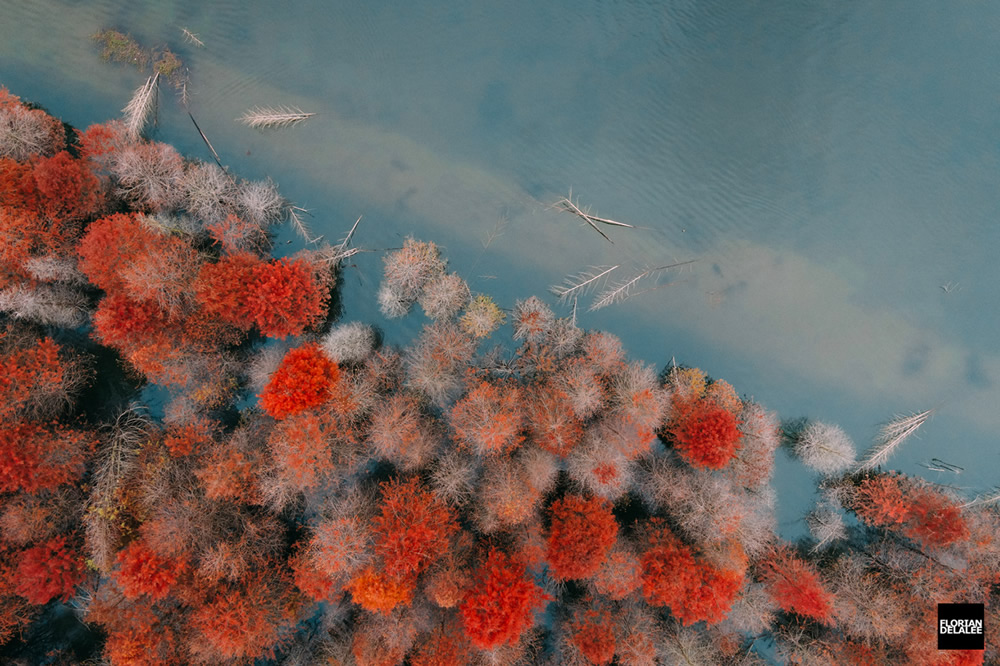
{"type": "Point", "coordinates": [568, 205]}
{"type": "Point", "coordinates": [140, 107]}
{"type": "Point", "coordinates": [581, 284]}
{"type": "Point", "coordinates": [295, 218]}
{"type": "Point", "coordinates": [193, 38]}
{"type": "Point", "coordinates": [624, 290]}
{"type": "Point", "coordinates": [261, 117]}
{"type": "Point", "coordinates": [337, 253]}
{"type": "Point", "coordinates": [890, 436]}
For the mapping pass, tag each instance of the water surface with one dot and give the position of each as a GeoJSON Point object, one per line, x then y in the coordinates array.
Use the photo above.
{"type": "Point", "coordinates": [832, 167]}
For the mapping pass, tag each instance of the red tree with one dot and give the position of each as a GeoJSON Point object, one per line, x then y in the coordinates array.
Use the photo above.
{"type": "Point", "coordinates": [551, 421]}
{"type": "Point", "coordinates": [67, 190]}
{"type": "Point", "coordinates": [501, 605]}
{"type": "Point", "coordinates": [933, 519]}
{"type": "Point", "coordinates": [109, 246]}
{"type": "Point", "coordinates": [287, 297]}
{"type": "Point", "coordinates": [48, 571]}
{"type": "Point", "coordinates": [380, 593]}
{"type": "Point", "coordinates": [412, 528]}
{"type": "Point", "coordinates": [141, 571]}
{"type": "Point", "coordinates": [704, 434]}
{"type": "Point", "coordinates": [223, 288]}
{"type": "Point", "coordinates": [672, 576]}
{"type": "Point", "coordinates": [281, 298]}
{"type": "Point", "coordinates": [489, 419]}
{"type": "Point", "coordinates": [795, 585]}
{"type": "Point", "coordinates": [306, 378]}
{"type": "Point", "coordinates": [243, 621]}
{"type": "Point", "coordinates": [593, 633]}
{"type": "Point", "coordinates": [126, 324]}
{"type": "Point", "coordinates": [582, 532]}
{"type": "Point", "coordinates": [301, 447]}
{"type": "Point", "coordinates": [35, 457]}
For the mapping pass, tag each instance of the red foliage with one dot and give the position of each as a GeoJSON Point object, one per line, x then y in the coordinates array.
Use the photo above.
{"type": "Point", "coordinates": [28, 374]}
{"type": "Point", "coordinates": [98, 142]}
{"type": "Point", "coordinates": [245, 621]}
{"type": "Point", "coordinates": [705, 435]}
{"type": "Point", "coordinates": [314, 583]}
{"type": "Point", "coordinates": [795, 586]}
{"type": "Point", "coordinates": [443, 646]}
{"type": "Point", "coordinates": [236, 235]}
{"type": "Point", "coordinates": [925, 515]}
{"type": "Point", "coordinates": [501, 605]}
{"type": "Point", "coordinates": [694, 590]}
{"type": "Point", "coordinates": [223, 288]}
{"type": "Point", "coordinates": [137, 635]}
{"type": "Point", "coordinates": [619, 576]}
{"type": "Point", "coordinates": [582, 532]}
{"type": "Point", "coordinates": [48, 571]}
{"type": "Point", "coordinates": [879, 501]}
{"type": "Point", "coordinates": [300, 445]}
{"type": "Point", "coordinates": [551, 421]}
{"type": "Point", "coordinates": [489, 419]}
{"type": "Point", "coordinates": [188, 439]}
{"type": "Point", "coordinates": [109, 246]}
{"type": "Point", "coordinates": [17, 185]}
{"type": "Point", "coordinates": [282, 297]}
{"type": "Point", "coordinates": [125, 324]}
{"type": "Point", "coordinates": [34, 456]}
{"type": "Point", "coordinates": [375, 591]}
{"type": "Point", "coordinates": [67, 190]}
{"type": "Point", "coordinates": [412, 528]}
{"type": "Point", "coordinates": [229, 473]}
{"type": "Point", "coordinates": [287, 297]}
{"type": "Point", "coordinates": [142, 571]}
{"type": "Point", "coordinates": [305, 379]}
{"type": "Point", "coordinates": [933, 519]}
{"type": "Point", "coordinates": [593, 633]}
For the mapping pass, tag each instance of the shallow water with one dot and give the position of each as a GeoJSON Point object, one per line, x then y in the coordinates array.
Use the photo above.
{"type": "Point", "coordinates": [831, 166]}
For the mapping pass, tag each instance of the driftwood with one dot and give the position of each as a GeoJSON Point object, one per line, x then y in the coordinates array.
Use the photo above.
{"type": "Point", "coordinates": [567, 204]}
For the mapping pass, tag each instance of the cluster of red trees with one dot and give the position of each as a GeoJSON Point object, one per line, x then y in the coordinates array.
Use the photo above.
{"type": "Point", "coordinates": [382, 506]}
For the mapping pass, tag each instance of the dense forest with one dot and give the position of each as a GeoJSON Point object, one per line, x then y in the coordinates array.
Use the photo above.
{"type": "Point", "coordinates": [313, 494]}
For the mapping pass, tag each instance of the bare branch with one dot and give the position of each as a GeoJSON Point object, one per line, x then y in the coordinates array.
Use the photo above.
{"type": "Point", "coordinates": [622, 291]}
{"type": "Point", "coordinates": [581, 284]}
{"type": "Point", "coordinates": [890, 436]}
{"type": "Point", "coordinates": [193, 38]}
{"type": "Point", "coordinates": [140, 107]}
{"type": "Point", "coordinates": [567, 204]}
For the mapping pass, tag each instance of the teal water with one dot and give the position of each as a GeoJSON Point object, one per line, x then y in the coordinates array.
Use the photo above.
{"type": "Point", "coordinates": [831, 166]}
